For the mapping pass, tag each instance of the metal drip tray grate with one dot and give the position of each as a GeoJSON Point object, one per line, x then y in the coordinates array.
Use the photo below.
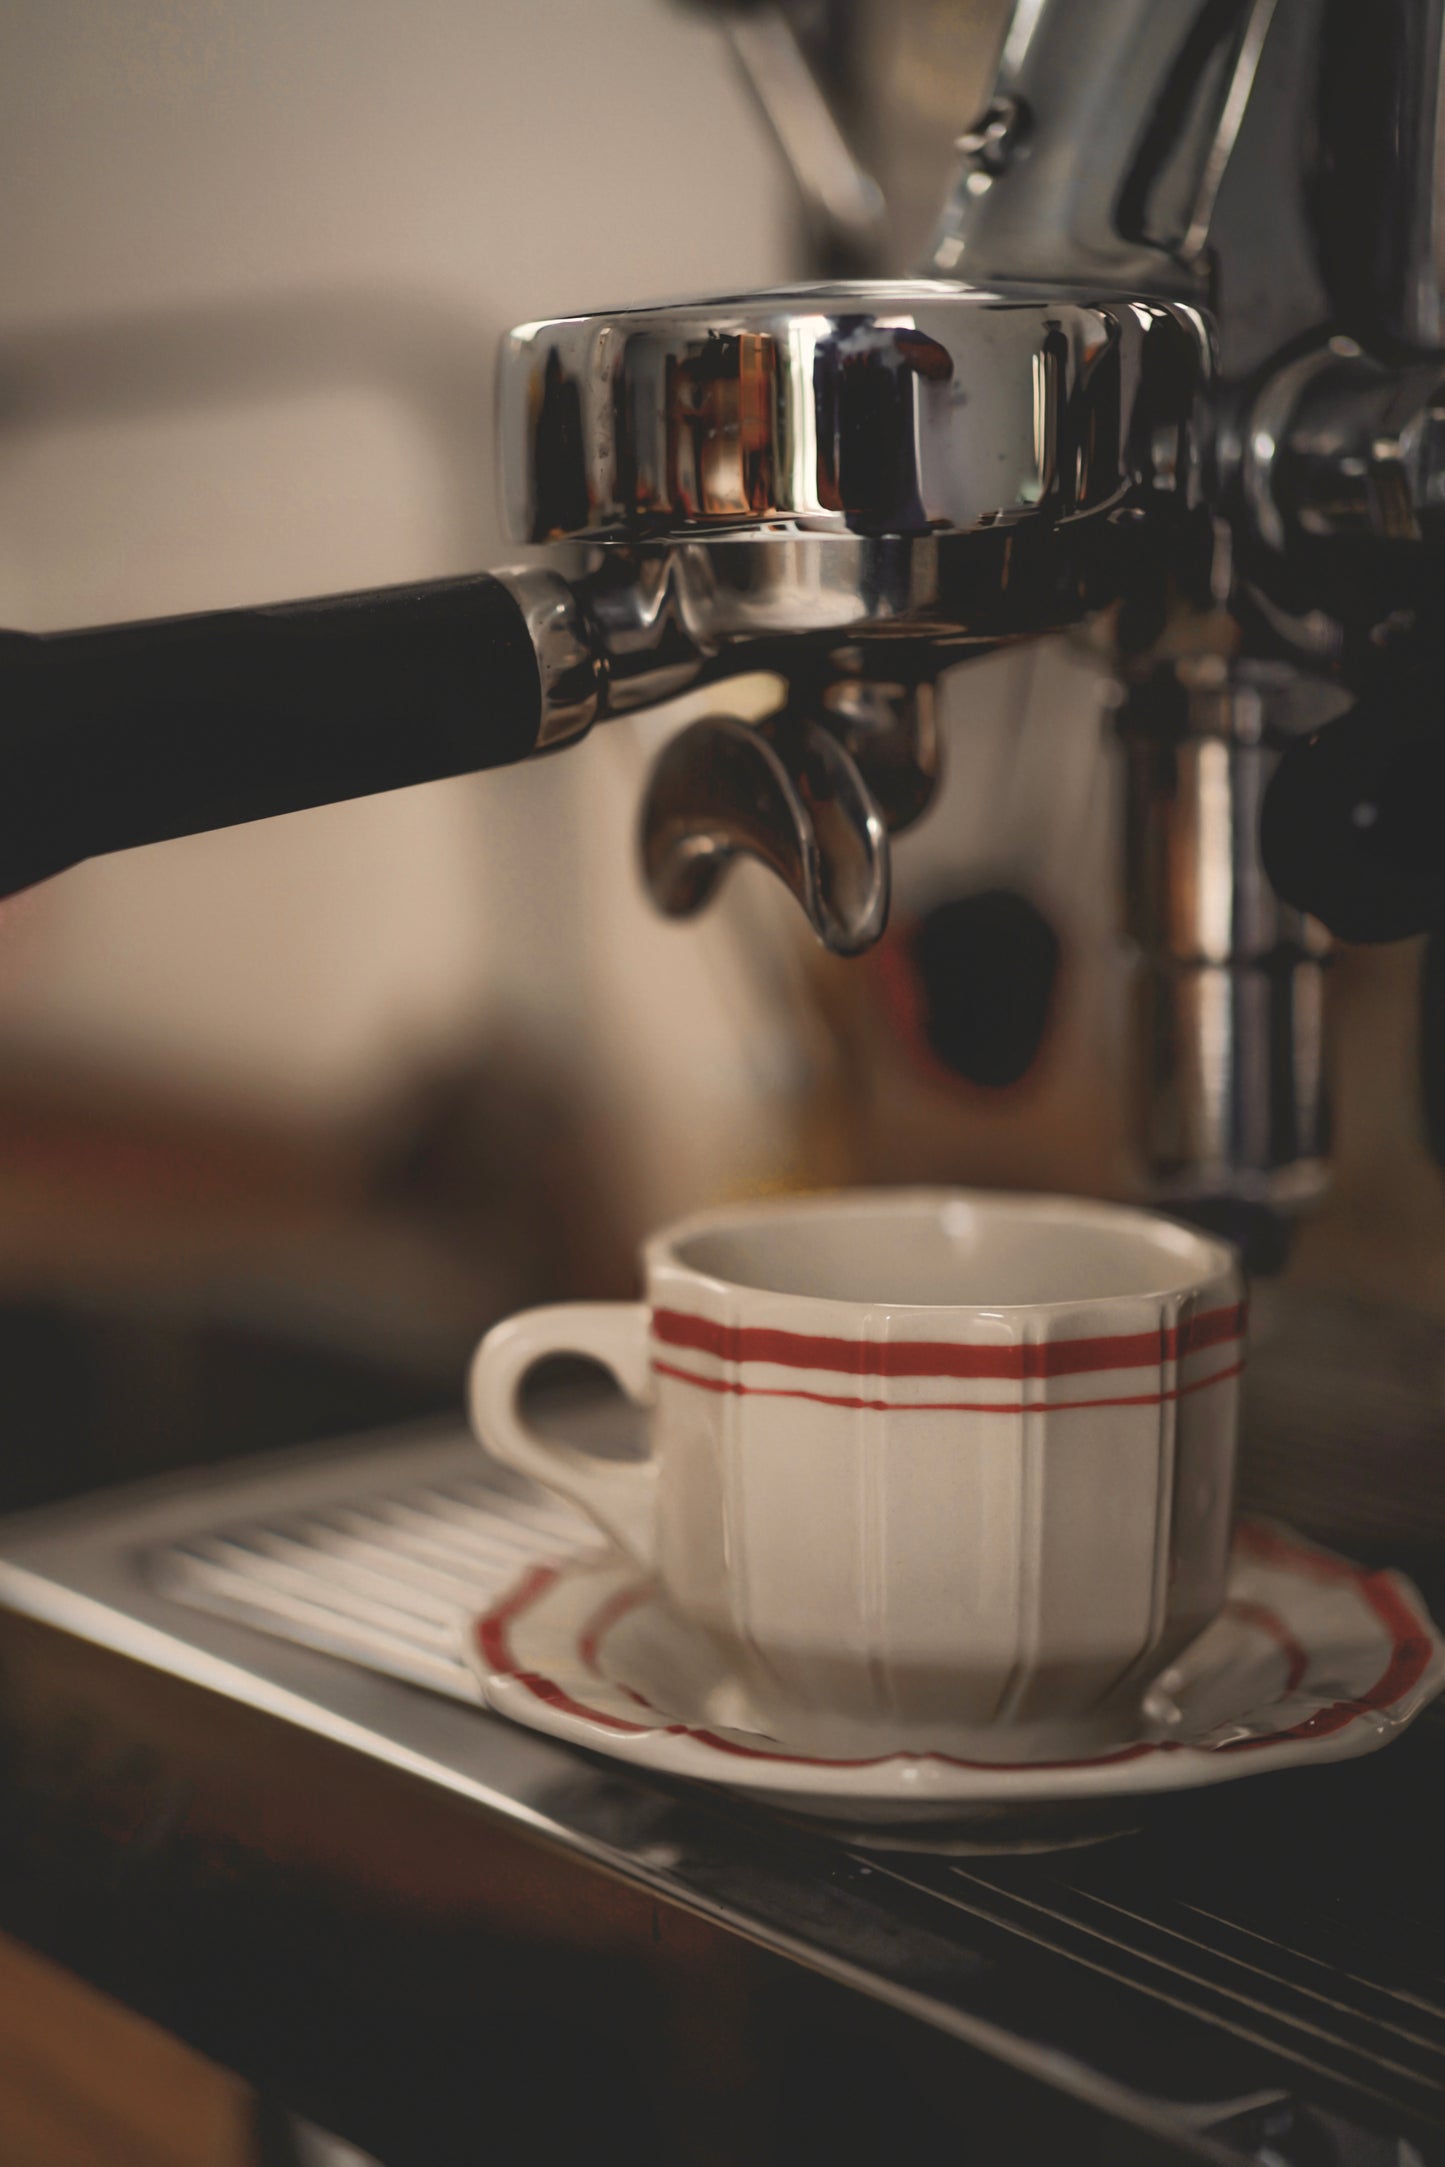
{"type": "Point", "coordinates": [389, 1578]}
{"type": "Point", "coordinates": [1268, 1940]}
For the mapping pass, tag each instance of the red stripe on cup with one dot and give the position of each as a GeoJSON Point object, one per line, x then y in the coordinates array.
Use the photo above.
{"type": "Point", "coordinates": [936, 1407]}
{"type": "Point", "coordinates": [1014, 1363]}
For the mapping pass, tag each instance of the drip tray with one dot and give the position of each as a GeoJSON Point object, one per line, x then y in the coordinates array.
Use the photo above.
{"type": "Point", "coordinates": [1258, 1966]}
{"type": "Point", "coordinates": [388, 1578]}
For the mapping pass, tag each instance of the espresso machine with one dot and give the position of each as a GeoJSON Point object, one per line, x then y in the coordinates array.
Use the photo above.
{"type": "Point", "coordinates": [1139, 359]}
{"type": "Point", "coordinates": [1164, 371]}
{"type": "Point", "coordinates": [1160, 383]}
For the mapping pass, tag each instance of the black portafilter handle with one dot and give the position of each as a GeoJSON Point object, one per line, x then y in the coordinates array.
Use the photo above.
{"type": "Point", "coordinates": [137, 733]}
{"type": "Point", "coordinates": [1353, 824]}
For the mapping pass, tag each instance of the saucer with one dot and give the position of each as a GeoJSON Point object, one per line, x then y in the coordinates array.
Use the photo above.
{"type": "Point", "coordinates": [1312, 1659]}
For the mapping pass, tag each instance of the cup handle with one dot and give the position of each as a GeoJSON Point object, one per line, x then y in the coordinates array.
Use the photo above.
{"type": "Point", "coordinates": [620, 1495]}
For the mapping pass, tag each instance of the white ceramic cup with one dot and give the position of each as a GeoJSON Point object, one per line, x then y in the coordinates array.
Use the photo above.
{"type": "Point", "coordinates": [942, 1469]}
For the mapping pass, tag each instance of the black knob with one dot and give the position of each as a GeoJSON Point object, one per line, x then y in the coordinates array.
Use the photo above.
{"type": "Point", "coordinates": [1351, 825]}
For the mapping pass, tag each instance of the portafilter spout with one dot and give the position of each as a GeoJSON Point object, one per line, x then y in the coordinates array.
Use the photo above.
{"type": "Point", "coordinates": [812, 792]}
{"type": "Point", "coordinates": [783, 792]}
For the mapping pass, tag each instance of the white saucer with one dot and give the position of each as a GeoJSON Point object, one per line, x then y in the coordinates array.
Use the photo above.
{"type": "Point", "coordinates": [1313, 1659]}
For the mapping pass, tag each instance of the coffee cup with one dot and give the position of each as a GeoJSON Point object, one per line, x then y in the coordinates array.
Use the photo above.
{"type": "Point", "coordinates": [938, 1470]}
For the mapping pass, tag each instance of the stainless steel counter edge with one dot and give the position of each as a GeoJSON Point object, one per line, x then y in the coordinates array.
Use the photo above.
{"type": "Point", "coordinates": [79, 1569]}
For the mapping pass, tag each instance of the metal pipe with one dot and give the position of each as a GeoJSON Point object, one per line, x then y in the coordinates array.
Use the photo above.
{"type": "Point", "coordinates": [1229, 1064]}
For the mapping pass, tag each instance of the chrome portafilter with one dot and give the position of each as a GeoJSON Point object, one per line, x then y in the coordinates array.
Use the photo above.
{"type": "Point", "coordinates": [852, 486]}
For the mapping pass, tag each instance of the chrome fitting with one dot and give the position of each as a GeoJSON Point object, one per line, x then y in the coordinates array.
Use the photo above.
{"type": "Point", "coordinates": [569, 664]}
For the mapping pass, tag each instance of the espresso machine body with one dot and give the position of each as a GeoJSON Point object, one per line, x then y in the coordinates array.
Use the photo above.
{"type": "Point", "coordinates": [1168, 374]}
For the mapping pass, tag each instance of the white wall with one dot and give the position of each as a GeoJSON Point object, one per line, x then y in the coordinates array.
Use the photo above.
{"type": "Point", "coordinates": [255, 258]}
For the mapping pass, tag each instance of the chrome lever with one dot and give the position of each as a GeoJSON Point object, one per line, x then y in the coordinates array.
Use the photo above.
{"type": "Point", "coordinates": [783, 791]}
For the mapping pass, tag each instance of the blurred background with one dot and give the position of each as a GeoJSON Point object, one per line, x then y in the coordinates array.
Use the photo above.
{"type": "Point", "coordinates": [290, 1113]}
{"type": "Point", "coordinates": [287, 1114]}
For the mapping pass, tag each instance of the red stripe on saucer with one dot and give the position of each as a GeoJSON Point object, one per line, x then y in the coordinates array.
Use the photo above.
{"type": "Point", "coordinates": [1411, 1646]}
{"type": "Point", "coordinates": [1410, 1643]}
{"type": "Point", "coordinates": [1269, 1622]}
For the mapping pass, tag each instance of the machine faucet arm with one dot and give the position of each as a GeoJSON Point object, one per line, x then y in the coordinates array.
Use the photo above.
{"type": "Point", "coordinates": [1157, 90]}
